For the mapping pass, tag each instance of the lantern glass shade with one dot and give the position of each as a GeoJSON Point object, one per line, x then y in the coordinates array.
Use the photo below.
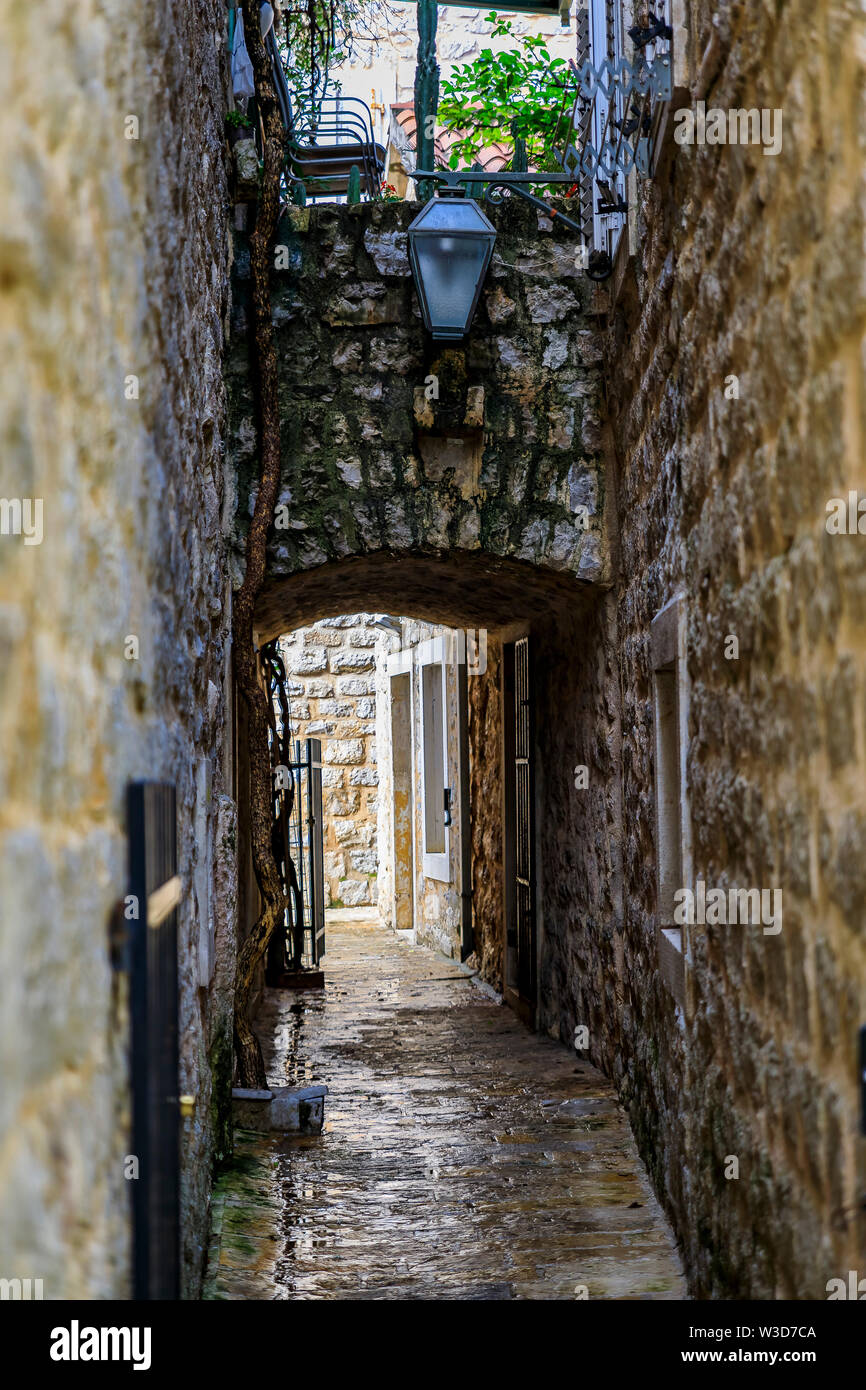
{"type": "Point", "coordinates": [450, 249]}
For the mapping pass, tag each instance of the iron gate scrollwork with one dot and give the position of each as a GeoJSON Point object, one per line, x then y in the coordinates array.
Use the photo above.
{"type": "Point", "coordinates": [296, 831]}
{"type": "Point", "coordinates": [612, 113]}
{"type": "Point", "coordinates": [624, 144]}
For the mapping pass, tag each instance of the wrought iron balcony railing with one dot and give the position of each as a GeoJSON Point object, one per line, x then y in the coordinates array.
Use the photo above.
{"type": "Point", "coordinates": [326, 140]}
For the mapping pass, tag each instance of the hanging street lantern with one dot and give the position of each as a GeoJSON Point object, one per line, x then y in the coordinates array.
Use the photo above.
{"type": "Point", "coordinates": [451, 243]}
{"type": "Point", "coordinates": [450, 250]}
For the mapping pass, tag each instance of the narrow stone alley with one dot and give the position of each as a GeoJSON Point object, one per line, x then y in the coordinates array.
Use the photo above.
{"type": "Point", "coordinates": [462, 1156]}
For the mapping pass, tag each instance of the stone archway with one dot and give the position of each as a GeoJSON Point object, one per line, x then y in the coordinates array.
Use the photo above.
{"type": "Point", "coordinates": [459, 588]}
{"type": "Point", "coordinates": [567, 620]}
{"type": "Point", "coordinates": [391, 443]}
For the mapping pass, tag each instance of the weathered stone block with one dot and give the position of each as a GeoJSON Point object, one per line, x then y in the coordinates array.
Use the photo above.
{"type": "Point", "coordinates": [335, 864]}
{"type": "Point", "coordinates": [350, 472]}
{"type": "Point", "coordinates": [500, 308]}
{"type": "Point", "coordinates": [352, 660]}
{"type": "Point", "coordinates": [246, 161]}
{"type": "Point", "coordinates": [344, 751]}
{"type": "Point", "coordinates": [336, 709]}
{"type": "Point", "coordinates": [389, 251]}
{"type": "Point", "coordinates": [354, 685]}
{"type": "Point", "coordinates": [549, 303]}
{"type": "Point", "coordinates": [365, 304]}
{"type": "Point", "coordinates": [364, 861]}
{"type": "Point", "coordinates": [307, 661]}
{"type": "Point", "coordinates": [342, 803]}
{"type": "Point", "coordinates": [317, 690]}
{"type": "Point", "coordinates": [363, 777]}
{"type": "Point", "coordinates": [355, 892]}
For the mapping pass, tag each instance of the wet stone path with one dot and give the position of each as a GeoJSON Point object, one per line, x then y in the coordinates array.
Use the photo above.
{"type": "Point", "coordinates": [462, 1157]}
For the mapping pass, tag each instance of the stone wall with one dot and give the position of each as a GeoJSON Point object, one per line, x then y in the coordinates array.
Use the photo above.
{"type": "Point", "coordinates": [746, 266]}
{"type": "Point", "coordinates": [332, 687]}
{"type": "Point", "coordinates": [394, 445]}
{"type": "Point", "coordinates": [113, 288]}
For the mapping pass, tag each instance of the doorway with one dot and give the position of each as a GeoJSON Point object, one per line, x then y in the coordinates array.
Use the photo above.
{"type": "Point", "coordinates": [519, 856]}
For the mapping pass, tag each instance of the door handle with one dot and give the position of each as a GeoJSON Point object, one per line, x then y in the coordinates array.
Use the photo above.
{"type": "Point", "coordinates": [446, 799]}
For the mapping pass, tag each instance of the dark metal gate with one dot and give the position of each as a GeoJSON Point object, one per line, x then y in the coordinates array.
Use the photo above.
{"type": "Point", "coordinates": [297, 833]}
{"type": "Point", "coordinates": [306, 848]}
{"type": "Point", "coordinates": [155, 892]}
{"type": "Point", "coordinates": [524, 822]}
{"type": "Point", "coordinates": [317, 850]}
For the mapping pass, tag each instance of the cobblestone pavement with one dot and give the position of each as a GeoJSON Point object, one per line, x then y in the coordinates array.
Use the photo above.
{"type": "Point", "coordinates": [463, 1157]}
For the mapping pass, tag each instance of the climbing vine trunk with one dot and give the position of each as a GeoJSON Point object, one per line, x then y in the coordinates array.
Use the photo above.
{"type": "Point", "coordinates": [251, 1065]}
{"type": "Point", "coordinates": [426, 91]}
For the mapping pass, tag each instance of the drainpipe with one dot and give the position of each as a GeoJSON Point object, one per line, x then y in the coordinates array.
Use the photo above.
{"type": "Point", "coordinates": [426, 91]}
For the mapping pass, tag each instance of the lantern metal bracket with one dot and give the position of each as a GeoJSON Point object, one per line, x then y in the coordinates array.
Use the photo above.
{"type": "Point", "coordinates": [598, 263]}
{"type": "Point", "coordinates": [507, 181]}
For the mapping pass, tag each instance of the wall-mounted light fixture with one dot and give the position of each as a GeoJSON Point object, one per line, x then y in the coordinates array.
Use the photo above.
{"type": "Point", "coordinates": [451, 243]}
{"type": "Point", "coordinates": [450, 249]}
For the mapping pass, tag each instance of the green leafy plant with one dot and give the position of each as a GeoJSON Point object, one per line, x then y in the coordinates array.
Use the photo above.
{"type": "Point", "coordinates": [503, 98]}
{"type": "Point", "coordinates": [237, 120]}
